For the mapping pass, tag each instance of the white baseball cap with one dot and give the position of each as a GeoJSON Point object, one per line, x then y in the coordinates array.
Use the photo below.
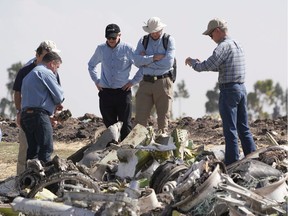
{"type": "Point", "coordinates": [50, 45]}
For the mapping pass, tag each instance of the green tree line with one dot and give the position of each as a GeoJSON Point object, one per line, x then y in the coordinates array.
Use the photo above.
{"type": "Point", "coordinates": [267, 101]}
{"type": "Point", "coordinates": [7, 108]}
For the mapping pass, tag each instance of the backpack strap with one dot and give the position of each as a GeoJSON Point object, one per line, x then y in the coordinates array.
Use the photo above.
{"type": "Point", "coordinates": [165, 40]}
{"type": "Point", "coordinates": [145, 41]}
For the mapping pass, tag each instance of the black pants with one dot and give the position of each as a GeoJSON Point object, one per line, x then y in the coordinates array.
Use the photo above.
{"type": "Point", "coordinates": [116, 105]}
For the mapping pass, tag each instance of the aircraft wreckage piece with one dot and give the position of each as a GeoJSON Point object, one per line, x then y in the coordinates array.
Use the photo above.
{"type": "Point", "coordinates": [200, 192]}
{"type": "Point", "coordinates": [47, 208]}
{"type": "Point", "coordinates": [136, 136]}
{"type": "Point", "coordinates": [59, 175]}
{"type": "Point", "coordinates": [8, 191]}
{"type": "Point", "coordinates": [38, 176]}
{"type": "Point", "coordinates": [180, 137]}
{"type": "Point", "coordinates": [98, 197]}
{"type": "Point", "coordinates": [282, 157]}
{"type": "Point", "coordinates": [89, 154]}
{"type": "Point", "coordinates": [252, 169]}
{"type": "Point", "coordinates": [176, 142]}
{"type": "Point", "coordinates": [97, 158]}
{"type": "Point", "coordinates": [267, 168]}
{"type": "Point", "coordinates": [13, 186]}
{"type": "Point", "coordinates": [168, 171]}
{"type": "Point", "coordinates": [145, 203]}
{"type": "Point", "coordinates": [132, 160]}
{"type": "Point", "coordinates": [276, 191]}
{"type": "Point", "coordinates": [104, 158]}
{"type": "Point", "coordinates": [189, 178]}
{"type": "Point", "coordinates": [154, 150]}
{"type": "Point", "coordinates": [239, 196]}
{"type": "Point", "coordinates": [69, 180]}
{"type": "Point", "coordinates": [148, 201]}
{"type": "Point", "coordinates": [96, 201]}
{"type": "Point", "coordinates": [277, 157]}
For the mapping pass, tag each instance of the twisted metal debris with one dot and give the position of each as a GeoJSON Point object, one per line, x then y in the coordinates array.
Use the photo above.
{"type": "Point", "coordinates": [150, 174]}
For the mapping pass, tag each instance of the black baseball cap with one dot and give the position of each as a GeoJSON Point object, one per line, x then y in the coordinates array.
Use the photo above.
{"type": "Point", "coordinates": [112, 30]}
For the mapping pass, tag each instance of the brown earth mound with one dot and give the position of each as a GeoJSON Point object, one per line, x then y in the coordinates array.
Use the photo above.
{"type": "Point", "coordinates": [206, 130]}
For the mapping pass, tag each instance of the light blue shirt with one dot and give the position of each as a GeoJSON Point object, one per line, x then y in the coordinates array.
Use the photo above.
{"type": "Point", "coordinates": [116, 65]}
{"type": "Point", "coordinates": [156, 68]}
{"type": "Point", "coordinates": [227, 59]}
{"type": "Point", "coordinates": [40, 89]}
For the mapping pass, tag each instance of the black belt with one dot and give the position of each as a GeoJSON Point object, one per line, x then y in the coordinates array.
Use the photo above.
{"type": "Point", "coordinates": [35, 110]}
{"type": "Point", "coordinates": [149, 78]}
{"type": "Point", "coordinates": [226, 85]}
{"type": "Point", "coordinates": [112, 90]}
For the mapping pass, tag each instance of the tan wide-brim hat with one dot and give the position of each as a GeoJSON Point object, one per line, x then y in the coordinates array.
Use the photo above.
{"type": "Point", "coordinates": [154, 24]}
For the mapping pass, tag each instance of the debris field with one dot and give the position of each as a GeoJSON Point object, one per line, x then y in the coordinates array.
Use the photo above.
{"type": "Point", "coordinates": [178, 173]}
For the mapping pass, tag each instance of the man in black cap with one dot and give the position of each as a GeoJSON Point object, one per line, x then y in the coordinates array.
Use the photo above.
{"type": "Point", "coordinates": [113, 83]}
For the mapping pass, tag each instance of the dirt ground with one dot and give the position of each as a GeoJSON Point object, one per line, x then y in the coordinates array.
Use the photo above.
{"type": "Point", "coordinates": [75, 133]}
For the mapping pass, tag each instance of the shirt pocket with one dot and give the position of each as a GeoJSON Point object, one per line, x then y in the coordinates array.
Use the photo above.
{"type": "Point", "coordinates": [122, 62]}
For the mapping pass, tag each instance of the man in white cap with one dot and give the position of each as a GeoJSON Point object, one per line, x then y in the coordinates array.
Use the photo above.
{"type": "Point", "coordinates": [228, 59]}
{"type": "Point", "coordinates": [156, 88]}
{"type": "Point", "coordinates": [44, 47]}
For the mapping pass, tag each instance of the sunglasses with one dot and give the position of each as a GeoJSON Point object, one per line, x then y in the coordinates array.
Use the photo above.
{"type": "Point", "coordinates": [111, 38]}
{"type": "Point", "coordinates": [211, 34]}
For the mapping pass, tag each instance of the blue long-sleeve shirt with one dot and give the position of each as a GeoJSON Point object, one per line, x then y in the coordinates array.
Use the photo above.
{"type": "Point", "coordinates": [227, 59]}
{"type": "Point", "coordinates": [40, 89]}
{"type": "Point", "coordinates": [116, 65]}
{"type": "Point", "coordinates": [156, 68]}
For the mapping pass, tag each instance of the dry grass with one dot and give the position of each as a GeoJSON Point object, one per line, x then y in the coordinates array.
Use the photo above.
{"type": "Point", "coordinates": [9, 153]}
{"type": "Point", "coordinates": [8, 159]}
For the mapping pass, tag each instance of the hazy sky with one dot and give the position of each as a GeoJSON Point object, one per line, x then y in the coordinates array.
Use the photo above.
{"type": "Point", "coordinates": [78, 27]}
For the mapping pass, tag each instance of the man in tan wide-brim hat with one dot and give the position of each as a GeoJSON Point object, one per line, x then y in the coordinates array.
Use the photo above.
{"type": "Point", "coordinates": [156, 88]}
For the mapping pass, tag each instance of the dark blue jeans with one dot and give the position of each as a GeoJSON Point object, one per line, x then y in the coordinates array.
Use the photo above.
{"type": "Point", "coordinates": [39, 134]}
{"type": "Point", "coordinates": [233, 111]}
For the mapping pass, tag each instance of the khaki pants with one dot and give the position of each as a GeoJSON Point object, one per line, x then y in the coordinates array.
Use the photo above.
{"type": "Point", "coordinates": [23, 145]}
{"type": "Point", "coordinates": [160, 94]}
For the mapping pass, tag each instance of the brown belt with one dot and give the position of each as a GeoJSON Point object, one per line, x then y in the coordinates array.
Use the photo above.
{"type": "Point", "coordinates": [35, 110]}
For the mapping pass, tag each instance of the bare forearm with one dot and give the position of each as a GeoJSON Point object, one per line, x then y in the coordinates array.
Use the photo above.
{"type": "Point", "coordinates": [17, 100]}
